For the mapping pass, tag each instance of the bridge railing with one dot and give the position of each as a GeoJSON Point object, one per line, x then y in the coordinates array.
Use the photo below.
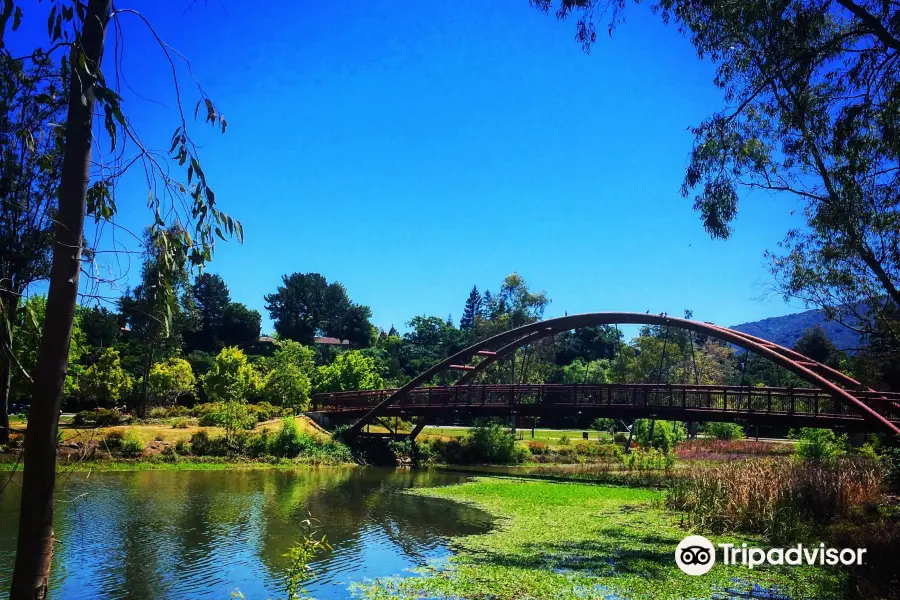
{"type": "Point", "coordinates": [732, 399]}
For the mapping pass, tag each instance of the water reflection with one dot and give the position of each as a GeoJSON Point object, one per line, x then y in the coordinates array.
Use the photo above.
{"type": "Point", "coordinates": [197, 534]}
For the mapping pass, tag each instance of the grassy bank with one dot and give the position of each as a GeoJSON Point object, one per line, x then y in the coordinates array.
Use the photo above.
{"type": "Point", "coordinates": [290, 442]}
{"type": "Point", "coordinates": [188, 463]}
{"type": "Point", "coordinates": [567, 541]}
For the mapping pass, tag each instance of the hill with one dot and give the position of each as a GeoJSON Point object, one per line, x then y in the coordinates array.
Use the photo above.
{"type": "Point", "coordinates": [787, 330]}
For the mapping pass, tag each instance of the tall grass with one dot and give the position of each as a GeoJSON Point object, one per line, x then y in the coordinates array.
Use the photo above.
{"type": "Point", "coordinates": [773, 497]}
{"type": "Point", "coordinates": [712, 449]}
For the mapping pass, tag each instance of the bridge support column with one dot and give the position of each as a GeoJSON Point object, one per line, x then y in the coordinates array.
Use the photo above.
{"type": "Point", "coordinates": [416, 430]}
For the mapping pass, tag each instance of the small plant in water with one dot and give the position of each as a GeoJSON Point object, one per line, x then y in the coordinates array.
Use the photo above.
{"type": "Point", "coordinates": [300, 555]}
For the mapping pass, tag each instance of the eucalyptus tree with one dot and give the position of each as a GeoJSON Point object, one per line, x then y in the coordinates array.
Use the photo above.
{"type": "Point", "coordinates": [185, 223]}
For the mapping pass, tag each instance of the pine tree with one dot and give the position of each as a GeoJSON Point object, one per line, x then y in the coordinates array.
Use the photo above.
{"type": "Point", "coordinates": [487, 305]}
{"type": "Point", "coordinates": [472, 309]}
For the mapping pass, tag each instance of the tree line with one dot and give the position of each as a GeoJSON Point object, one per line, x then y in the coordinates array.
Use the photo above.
{"type": "Point", "coordinates": [213, 351]}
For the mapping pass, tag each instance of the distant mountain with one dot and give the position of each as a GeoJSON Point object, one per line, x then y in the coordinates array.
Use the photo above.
{"type": "Point", "coordinates": [787, 330]}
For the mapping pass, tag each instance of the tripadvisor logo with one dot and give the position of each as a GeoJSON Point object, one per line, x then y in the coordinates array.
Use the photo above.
{"type": "Point", "coordinates": [696, 555]}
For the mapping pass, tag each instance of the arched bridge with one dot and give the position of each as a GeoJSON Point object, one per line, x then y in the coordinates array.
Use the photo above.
{"type": "Point", "coordinates": [833, 398]}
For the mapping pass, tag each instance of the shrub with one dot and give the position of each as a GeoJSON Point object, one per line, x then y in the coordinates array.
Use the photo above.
{"type": "Point", "coordinates": [181, 423]}
{"type": "Point", "coordinates": [165, 412]}
{"type": "Point", "coordinates": [819, 445]}
{"type": "Point", "coordinates": [258, 444]}
{"type": "Point", "coordinates": [203, 445]}
{"type": "Point", "coordinates": [662, 435]}
{"type": "Point", "coordinates": [725, 431]}
{"type": "Point", "coordinates": [651, 459]}
{"type": "Point", "coordinates": [132, 445]}
{"type": "Point", "coordinates": [773, 497]}
{"type": "Point", "coordinates": [564, 440]}
{"type": "Point", "coordinates": [112, 440]}
{"type": "Point", "coordinates": [101, 417]}
{"type": "Point", "coordinates": [290, 441]}
{"type": "Point", "coordinates": [491, 443]}
{"type": "Point", "coordinates": [182, 447]}
{"type": "Point", "coordinates": [264, 411]}
{"type": "Point", "coordinates": [891, 461]}
{"type": "Point", "coordinates": [403, 450]}
{"type": "Point", "coordinates": [221, 414]}
{"type": "Point", "coordinates": [537, 448]}
{"type": "Point", "coordinates": [620, 437]}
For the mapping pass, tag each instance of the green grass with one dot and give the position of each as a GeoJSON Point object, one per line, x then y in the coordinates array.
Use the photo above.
{"type": "Point", "coordinates": [566, 541]}
{"type": "Point", "coordinates": [550, 437]}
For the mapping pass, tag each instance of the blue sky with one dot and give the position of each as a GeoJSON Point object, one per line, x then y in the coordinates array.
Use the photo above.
{"type": "Point", "coordinates": [411, 150]}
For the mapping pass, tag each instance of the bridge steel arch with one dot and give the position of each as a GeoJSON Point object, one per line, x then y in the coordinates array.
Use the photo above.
{"type": "Point", "coordinates": [507, 342]}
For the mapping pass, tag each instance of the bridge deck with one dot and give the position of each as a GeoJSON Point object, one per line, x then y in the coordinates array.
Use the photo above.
{"type": "Point", "coordinates": [787, 406]}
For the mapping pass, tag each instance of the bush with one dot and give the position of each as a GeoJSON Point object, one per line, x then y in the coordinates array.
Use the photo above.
{"type": "Point", "coordinates": [537, 448]}
{"type": "Point", "coordinates": [821, 445]}
{"type": "Point", "coordinates": [620, 437]}
{"type": "Point", "coordinates": [651, 459]}
{"type": "Point", "coordinates": [182, 447]}
{"type": "Point", "coordinates": [258, 444]}
{"type": "Point", "coordinates": [166, 412]}
{"type": "Point", "coordinates": [219, 414]}
{"type": "Point", "coordinates": [181, 423]}
{"type": "Point", "coordinates": [403, 450]}
{"type": "Point", "coordinates": [564, 440]}
{"type": "Point", "coordinates": [112, 440]}
{"type": "Point", "coordinates": [725, 431]}
{"type": "Point", "coordinates": [662, 435]}
{"type": "Point", "coordinates": [101, 417]}
{"type": "Point", "coordinates": [491, 443]}
{"type": "Point", "coordinates": [290, 441]}
{"type": "Point", "coordinates": [169, 454]}
{"type": "Point", "coordinates": [132, 445]}
{"type": "Point", "coordinates": [203, 445]}
{"type": "Point", "coordinates": [264, 411]}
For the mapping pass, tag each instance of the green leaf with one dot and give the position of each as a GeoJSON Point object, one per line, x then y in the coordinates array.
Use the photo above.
{"type": "Point", "coordinates": [110, 127]}
{"type": "Point", "coordinates": [50, 20]}
{"type": "Point", "coordinates": [219, 233]}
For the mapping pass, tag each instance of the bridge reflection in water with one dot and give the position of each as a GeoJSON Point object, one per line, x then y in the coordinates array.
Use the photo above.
{"type": "Point", "coordinates": [791, 407]}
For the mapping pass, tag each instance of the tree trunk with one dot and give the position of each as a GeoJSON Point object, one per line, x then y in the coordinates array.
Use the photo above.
{"type": "Point", "coordinates": [11, 302]}
{"type": "Point", "coordinates": [34, 549]}
{"type": "Point", "coordinates": [144, 400]}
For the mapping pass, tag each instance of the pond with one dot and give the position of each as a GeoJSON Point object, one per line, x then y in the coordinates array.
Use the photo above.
{"type": "Point", "coordinates": [204, 534]}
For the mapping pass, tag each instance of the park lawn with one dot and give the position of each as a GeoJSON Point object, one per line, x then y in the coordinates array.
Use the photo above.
{"type": "Point", "coordinates": [566, 541]}
{"type": "Point", "coordinates": [551, 437]}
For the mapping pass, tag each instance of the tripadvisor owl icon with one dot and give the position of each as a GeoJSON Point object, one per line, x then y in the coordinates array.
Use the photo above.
{"type": "Point", "coordinates": [695, 555]}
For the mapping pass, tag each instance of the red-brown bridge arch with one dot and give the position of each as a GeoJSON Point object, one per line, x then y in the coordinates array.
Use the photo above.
{"type": "Point", "coordinates": [503, 344]}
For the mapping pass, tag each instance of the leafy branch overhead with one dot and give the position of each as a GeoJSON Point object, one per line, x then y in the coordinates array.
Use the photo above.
{"type": "Point", "coordinates": [811, 112]}
{"type": "Point", "coordinates": [186, 218]}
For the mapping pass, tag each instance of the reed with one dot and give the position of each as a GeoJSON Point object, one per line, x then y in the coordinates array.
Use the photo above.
{"type": "Point", "coordinates": [774, 497]}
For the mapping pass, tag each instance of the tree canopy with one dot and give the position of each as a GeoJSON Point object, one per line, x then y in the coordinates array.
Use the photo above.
{"type": "Point", "coordinates": [306, 306]}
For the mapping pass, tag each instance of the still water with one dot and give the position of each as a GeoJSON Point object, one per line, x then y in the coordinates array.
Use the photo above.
{"type": "Point", "coordinates": [204, 534]}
